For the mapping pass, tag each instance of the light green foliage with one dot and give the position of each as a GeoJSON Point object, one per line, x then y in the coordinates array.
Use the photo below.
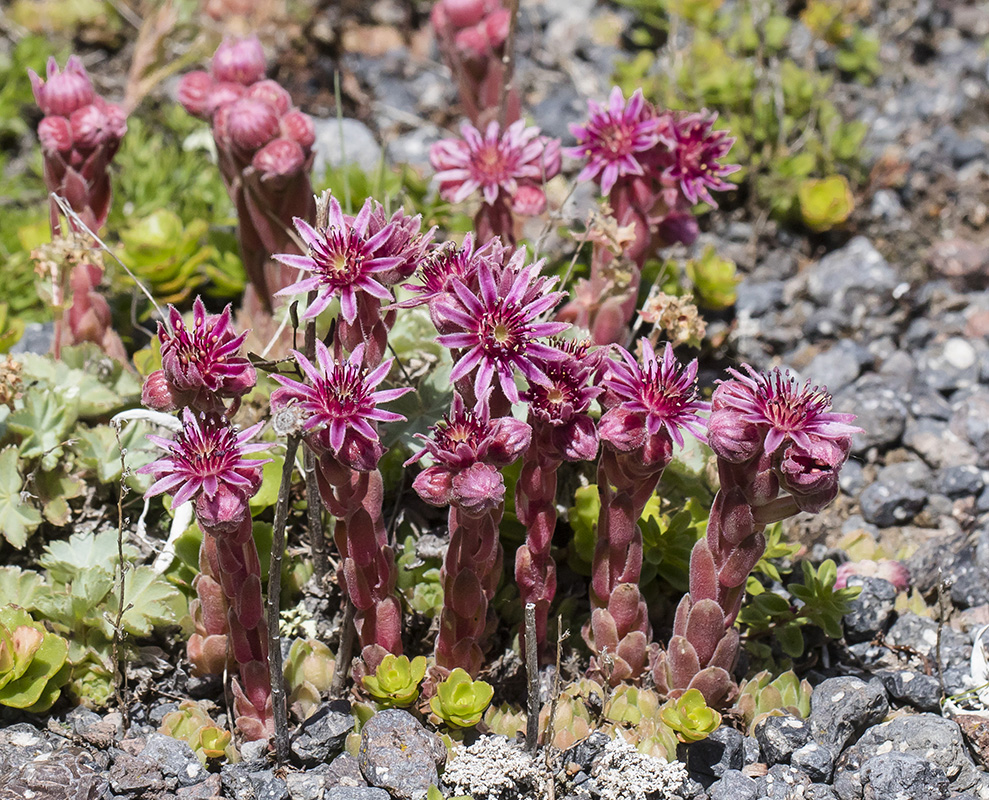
{"type": "Point", "coordinates": [165, 255]}
{"type": "Point", "coordinates": [819, 604]}
{"type": "Point", "coordinates": [825, 203]}
{"type": "Point", "coordinates": [824, 605]}
{"type": "Point", "coordinates": [459, 701]}
{"type": "Point", "coordinates": [763, 695]}
{"type": "Point", "coordinates": [49, 445]}
{"type": "Point", "coordinates": [668, 538]}
{"type": "Point", "coordinates": [32, 662]}
{"type": "Point", "coordinates": [190, 723]}
{"type": "Point", "coordinates": [66, 17]}
{"type": "Point", "coordinates": [690, 717]}
{"type": "Point", "coordinates": [309, 674]}
{"type": "Point", "coordinates": [629, 705]}
{"type": "Point", "coordinates": [714, 279]}
{"type": "Point", "coordinates": [79, 598]}
{"type": "Point", "coordinates": [419, 580]}
{"type": "Point", "coordinates": [11, 329]}
{"type": "Point", "coordinates": [395, 684]}
{"type": "Point", "coordinates": [739, 62]}
{"type": "Point", "coordinates": [30, 52]}
{"type": "Point", "coordinates": [18, 519]}
{"type": "Point", "coordinates": [776, 549]}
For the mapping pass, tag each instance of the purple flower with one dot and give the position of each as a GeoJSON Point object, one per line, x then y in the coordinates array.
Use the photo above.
{"type": "Point", "coordinates": [340, 405]}
{"type": "Point", "coordinates": [693, 158]}
{"type": "Point", "coordinates": [468, 449]}
{"type": "Point", "coordinates": [199, 365]}
{"type": "Point", "coordinates": [780, 409]}
{"type": "Point", "coordinates": [499, 325]}
{"type": "Point", "coordinates": [65, 90]}
{"type": "Point", "coordinates": [561, 403]}
{"type": "Point", "coordinates": [438, 269]}
{"type": "Point", "coordinates": [495, 163]}
{"type": "Point", "coordinates": [612, 138]}
{"type": "Point", "coordinates": [206, 458]}
{"type": "Point", "coordinates": [660, 395]}
{"type": "Point", "coordinates": [345, 259]}
{"type": "Point", "coordinates": [405, 242]}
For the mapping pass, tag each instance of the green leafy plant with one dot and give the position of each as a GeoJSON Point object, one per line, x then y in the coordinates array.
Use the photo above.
{"type": "Point", "coordinates": [714, 279]}
{"type": "Point", "coordinates": [689, 717]}
{"type": "Point", "coordinates": [820, 605]}
{"type": "Point", "coordinates": [190, 723]}
{"type": "Point", "coordinates": [75, 596]}
{"type": "Point", "coordinates": [32, 662]}
{"type": "Point", "coordinates": [825, 203]}
{"type": "Point", "coordinates": [763, 695]}
{"type": "Point", "coordinates": [396, 681]}
{"type": "Point", "coordinates": [435, 794]}
{"type": "Point", "coordinates": [460, 701]}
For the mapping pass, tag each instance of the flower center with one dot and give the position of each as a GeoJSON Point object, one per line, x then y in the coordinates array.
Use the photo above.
{"type": "Point", "coordinates": [490, 163]}
{"type": "Point", "coordinates": [617, 139]}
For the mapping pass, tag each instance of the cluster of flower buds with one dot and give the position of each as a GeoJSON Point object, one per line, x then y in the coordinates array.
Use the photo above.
{"type": "Point", "coordinates": [508, 168]}
{"type": "Point", "coordinates": [779, 449]}
{"type": "Point", "coordinates": [472, 35]}
{"type": "Point", "coordinates": [654, 167]}
{"type": "Point", "coordinates": [208, 464]}
{"type": "Point", "coordinates": [80, 133]}
{"type": "Point", "coordinates": [265, 154]}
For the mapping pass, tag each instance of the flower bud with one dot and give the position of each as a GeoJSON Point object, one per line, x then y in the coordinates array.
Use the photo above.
{"type": "Point", "coordinates": [88, 127]}
{"type": "Point", "coordinates": [463, 13]}
{"type": "Point", "coordinates": [240, 61]}
{"type": "Point", "coordinates": [473, 43]}
{"type": "Point", "coordinates": [732, 438]}
{"type": "Point", "coordinates": [194, 92]}
{"type": "Point", "coordinates": [55, 134]}
{"type": "Point", "coordinates": [157, 393]}
{"type": "Point", "coordinates": [247, 124]}
{"type": "Point", "coordinates": [279, 157]}
{"type": "Point", "coordinates": [115, 121]}
{"type": "Point", "coordinates": [65, 90]}
{"type": "Point", "coordinates": [478, 489]}
{"type": "Point", "coordinates": [813, 470]}
{"type": "Point", "coordinates": [496, 27]}
{"type": "Point", "coordinates": [223, 94]}
{"type": "Point", "coordinates": [268, 91]}
{"type": "Point", "coordinates": [223, 512]}
{"type": "Point", "coordinates": [529, 201]}
{"type": "Point", "coordinates": [298, 127]}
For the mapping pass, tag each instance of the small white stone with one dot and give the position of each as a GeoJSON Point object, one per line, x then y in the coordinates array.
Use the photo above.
{"type": "Point", "coordinates": [959, 353]}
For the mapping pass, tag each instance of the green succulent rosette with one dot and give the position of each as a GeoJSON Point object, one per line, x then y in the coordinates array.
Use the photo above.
{"type": "Point", "coordinates": [396, 681]}
{"type": "Point", "coordinates": [33, 665]}
{"type": "Point", "coordinates": [690, 717]}
{"type": "Point", "coordinates": [459, 701]}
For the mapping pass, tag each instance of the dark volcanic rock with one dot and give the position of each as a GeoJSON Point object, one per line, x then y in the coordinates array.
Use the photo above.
{"type": "Point", "coordinates": [841, 708]}
{"type": "Point", "coordinates": [733, 786]}
{"type": "Point", "coordinates": [902, 775]}
{"type": "Point", "coordinates": [723, 750]}
{"type": "Point", "coordinates": [889, 504]}
{"type": "Point", "coordinates": [779, 736]}
{"type": "Point", "coordinates": [916, 689]}
{"type": "Point", "coordinates": [398, 754]}
{"type": "Point", "coordinates": [322, 735]}
{"type": "Point", "coordinates": [71, 774]}
{"type": "Point", "coordinates": [871, 611]}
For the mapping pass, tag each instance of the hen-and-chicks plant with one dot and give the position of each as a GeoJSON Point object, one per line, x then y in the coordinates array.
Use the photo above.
{"type": "Point", "coordinates": [778, 446]}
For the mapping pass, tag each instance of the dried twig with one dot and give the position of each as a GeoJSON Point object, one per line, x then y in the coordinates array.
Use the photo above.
{"type": "Point", "coordinates": [279, 707]}
{"type": "Point", "coordinates": [532, 672]}
{"type": "Point", "coordinates": [346, 649]}
{"type": "Point", "coordinates": [942, 584]}
{"type": "Point", "coordinates": [119, 676]}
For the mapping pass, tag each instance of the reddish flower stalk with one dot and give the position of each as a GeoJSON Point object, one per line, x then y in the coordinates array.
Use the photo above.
{"type": "Point", "coordinates": [468, 449]}
{"type": "Point", "coordinates": [562, 431]}
{"type": "Point", "coordinates": [206, 463]}
{"type": "Point", "coordinates": [508, 168]}
{"type": "Point", "coordinates": [770, 435]}
{"type": "Point", "coordinates": [648, 408]}
{"type": "Point", "coordinates": [264, 147]}
{"type": "Point", "coordinates": [654, 167]}
{"type": "Point", "coordinates": [203, 371]}
{"type": "Point", "coordinates": [80, 135]}
{"type": "Point", "coordinates": [339, 407]}
{"type": "Point", "coordinates": [472, 35]}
